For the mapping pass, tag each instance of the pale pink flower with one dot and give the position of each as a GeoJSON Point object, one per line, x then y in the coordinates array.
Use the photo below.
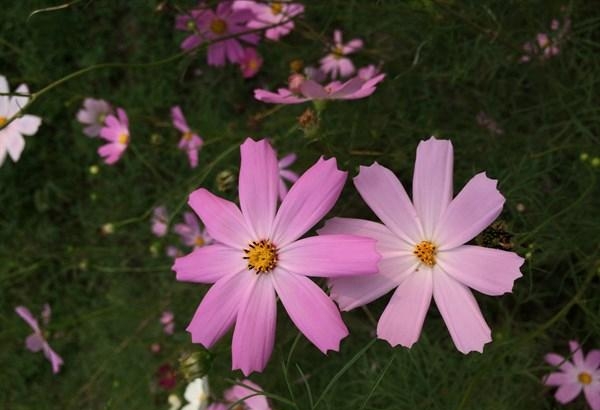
{"type": "Point", "coordinates": [275, 13]}
{"type": "Point", "coordinates": [116, 132]}
{"type": "Point", "coordinates": [190, 141]}
{"type": "Point", "coordinates": [368, 72]}
{"type": "Point", "coordinates": [11, 135]}
{"type": "Point", "coordinates": [251, 62]}
{"type": "Point", "coordinates": [190, 233]}
{"type": "Point", "coordinates": [250, 393]}
{"type": "Point", "coordinates": [336, 63]}
{"type": "Point", "coordinates": [308, 90]}
{"type": "Point", "coordinates": [159, 221]}
{"type": "Point", "coordinates": [93, 114]}
{"type": "Point", "coordinates": [423, 249]}
{"type": "Point", "coordinates": [285, 174]}
{"type": "Point", "coordinates": [225, 22]}
{"type": "Point", "coordinates": [167, 319]}
{"type": "Point", "coordinates": [36, 341]}
{"type": "Point", "coordinates": [257, 256]}
{"type": "Point", "coordinates": [576, 375]}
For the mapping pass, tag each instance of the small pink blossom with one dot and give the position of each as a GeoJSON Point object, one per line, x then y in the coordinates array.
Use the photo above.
{"type": "Point", "coordinates": [258, 256]}
{"type": "Point", "coordinates": [116, 132]}
{"type": "Point", "coordinates": [423, 249]}
{"type": "Point", "coordinates": [190, 142]}
{"type": "Point", "coordinates": [285, 174]}
{"type": "Point", "coordinates": [190, 232]}
{"type": "Point", "coordinates": [173, 252]}
{"type": "Point", "coordinates": [576, 375]}
{"type": "Point", "coordinates": [250, 394]}
{"type": "Point", "coordinates": [336, 63]}
{"type": "Point", "coordinates": [93, 114]}
{"type": "Point", "coordinates": [168, 321]}
{"type": "Point", "coordinates": [308, 90]}
{"type": "Point", "coordinates": [368, 72]}
{"type": "Point", "coordinates": [275, 13]}
{"type": "Point", "coordinates": [159, 221]}
{"type": "Point", "coordinates": [251, 63]}
{"type": "Point", "coordinates": [36, 341]}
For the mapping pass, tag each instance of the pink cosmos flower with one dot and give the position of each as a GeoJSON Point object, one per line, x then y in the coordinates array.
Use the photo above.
{"type": "Point", "coordinates": [302, 90]}
{"type": "Point", "coordinates": [168, 321]}
{"type": "Point", "coordinates": [116, 131]}
{"type": "Point", "coordinates": [286, 174]}
{"type": "Point", "coordinates": [254, 401]}
{"type": "Point", "coordinates": [368, 72]}
{"type": "Point", "coordinates": [423, 249]}
{"type": "Point", "coordinates": [190, 232]}
{"type": "Point", "coordinates": [271, 14]}
{"type": "Point", "coordinates": [580, 374]}
{"type": "Point", "coordinates": [159, 221]}
{"type": "Point", "coordinates": [257, 255]}
{"type": "Point", "coordinates": [93, 114]}
{"type": "Point", "coordinates": [188, 22]}
{"type": "Point", "coordinates": [217, 406]}
{"type": "Point", "coordinates": [251, 62]}
{"type": "Point", "coordinates": [11, 135]}
{"type": "Point", "coordinates": [190, 141]}
{"type": "Point", "coordinates": [36, 341]}
{"type": "Point", "coordinates": [336, 63]}
{"type": "Point", "coordinates": [224, 22]}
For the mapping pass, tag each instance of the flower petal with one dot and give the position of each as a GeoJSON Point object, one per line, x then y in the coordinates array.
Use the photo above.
{"type": "Point", "coordinates": [313, 90]}
{"type": "Point", "coordinates": [557, 379]}
{"type": "Point", "coordinates": [474, 208]}
{"type": "Point", "coordinates": [223, 220]}
{"type": "Point", "coordinates": [592, 359]}
{"type": "Point", "coordinates": [308, 200]}
{"type": "Point", "coordinates": [28, 124]}
{"type": "Point", "coordinates": [315, 315]}
{"type": "Point", "coordinates": [560, 362]}
{"type": "Point", "coordinates": [244, 389]}
{"type": "Point", "coordinates": [432, 181]}
{"type": "Point", "coordinates": [330, 256]}
{"type": "Point", "coordinates": [34, 342]}
{"type": "Point", "coordinates": [219, 308]}
{"type": "Point", "coordinates": [15, 144]}
{"type": "Point", "coordinates": [489, 271]}
{"type": "Point", "coordinates": [254, 332]}
{"type": "Point", "coordinates": [352, 292]}
{"type": "Point", "coordinates": [461, 314]}
{"type": "Point", "coordinates": [577, 354]}
{"type": "Point", "coordinates": [28, 317]}
{"type": "Point", "coordinates": [385, 195]}
{"type": "Point", "coordinates": [55, 360]}
{"type": "Point", "coordinates": [402, 320]}
{"type": "Point", "coordinates": [592, 395]}
{"type": "Point", "coordinates": [208, 264]}
{"type": "Point", "coordinates": [567, 392]}
{"type": "Point", "coordinates": [258, 186]}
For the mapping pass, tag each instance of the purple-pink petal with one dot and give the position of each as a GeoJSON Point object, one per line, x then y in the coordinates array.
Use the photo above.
{"type": "Point", "coordinates": [244, 389]}
{"type": "Point", "coordinates": [577, 354]}
{"type": "Point", "coordinates": [592, 395]}
{"type": "Point", "coordinates": [557, 379]}
{"type": "Point", "coordinates": [557, 360]}
{"type": "Point", "coordinates": [387, 241]}
{"type": "Point", "coordinates": [567, 392]}
{"type": "Point", "coordinates": [34, 342]}
{"type": "Point", "coordinates": [27, 317]}
{"type": "Point", "coordinates": [55, 360]}
{"type": "Point", "coordinates": [592, 360]}
{"type": "Point", "coordinates": [208, 264]}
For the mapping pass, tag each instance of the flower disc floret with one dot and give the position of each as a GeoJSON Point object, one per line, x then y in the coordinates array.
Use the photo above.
{"type": "Point", "coordinates": [425, 251]}
{"type": "Point", "coordinates": [261, 256]}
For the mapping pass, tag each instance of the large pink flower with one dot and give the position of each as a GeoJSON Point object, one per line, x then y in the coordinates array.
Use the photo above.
{"type": "Point", "coordinates": [36, 341]}
{"type": "Point", "coordinates": [302, 90]}
{"type": "Point", "coordinates": [116, 132]}
{"type": "Point", "coordinates": [580, 374]}
{"type": "Point", "coordinates": [224, 22]}
{"type": "Point", "coordinates": [257, 255]}
{"type": "Point", "coordinates": [423, 249]}
{"type": "Point", "coordinates": [190, 142]}
{"type": "Point", "coordinates": [279, 14]}
{"type": "Point", "coordinates": [336, 63]}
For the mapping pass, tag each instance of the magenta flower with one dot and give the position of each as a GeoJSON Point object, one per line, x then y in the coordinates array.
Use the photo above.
{"type": "Point", "coordinates": [302, 90]}
{"type": "Point", "coordinates": [36, 341]}
{"type": "Point", "coordinates": [336, 63]}
{"type": "Point", "coordinates": [286, 174]}
{"type": "Point", "coordinates": [276, 13]}
{"type": "Point", "coordinates": [93, 114]}
{"type": "Point", "coordinates": [251, 62]}
{"type": "Point", "coordinates": [423, 249]}
{"type": "Point", "coordinates": [116, 132]}
{"type": "Point", "coordinates": [159, 221]}
{"type": "Point", "coordinates": [580, 374]}
{"type": "Point", "coordinates": [190, 232]}
{"type": "Point", "coordinates": [167, 319]}
{"type": "Point", "coordinates": [188, 22]}
{"type": "Point", "coordinates": [190, 141]}
{"type": "Point", "coordinates": [257, 256]}
{"type": "Point", "coordinates": [224, 22]}
{"type": "Point", "coordinates": [251, 395]}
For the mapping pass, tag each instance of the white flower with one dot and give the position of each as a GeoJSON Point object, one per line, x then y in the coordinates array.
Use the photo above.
{"type": "Point", "coordinates": [174, 401]}
{"type": "Point", "coordinates": [196, 393]}
{"type": "Point", "coordinates": [11, 136]}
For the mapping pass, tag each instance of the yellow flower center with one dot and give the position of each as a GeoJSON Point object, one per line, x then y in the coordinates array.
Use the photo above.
{"type": "Point", "coordinates": [191, 26]}
{"type": "Point", "coordinates": [123, 138]}
{"type": "Point", "coordinates": [337, 52]}
{"type": "Point", "coordinates": [276, 7]}
{"type": "Point", "coordinates": [425, 251]}
{"type": "Point", "coordinates": [101, 118]}
{"type": "Point", "coordinates": [187, 135]}
{"type": "Point", "coordinates": [218, 26]}
{"type": "Point", "coordinates": [584, 378]}
{"type": "Point", "coordinates": [199, 241]}
{"type": "Point", "coordinates": [253, 64]}
{"type": "Point", "coordinates": [3, 121]}
{"type": "Point", "coordinates": [261, 256]}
